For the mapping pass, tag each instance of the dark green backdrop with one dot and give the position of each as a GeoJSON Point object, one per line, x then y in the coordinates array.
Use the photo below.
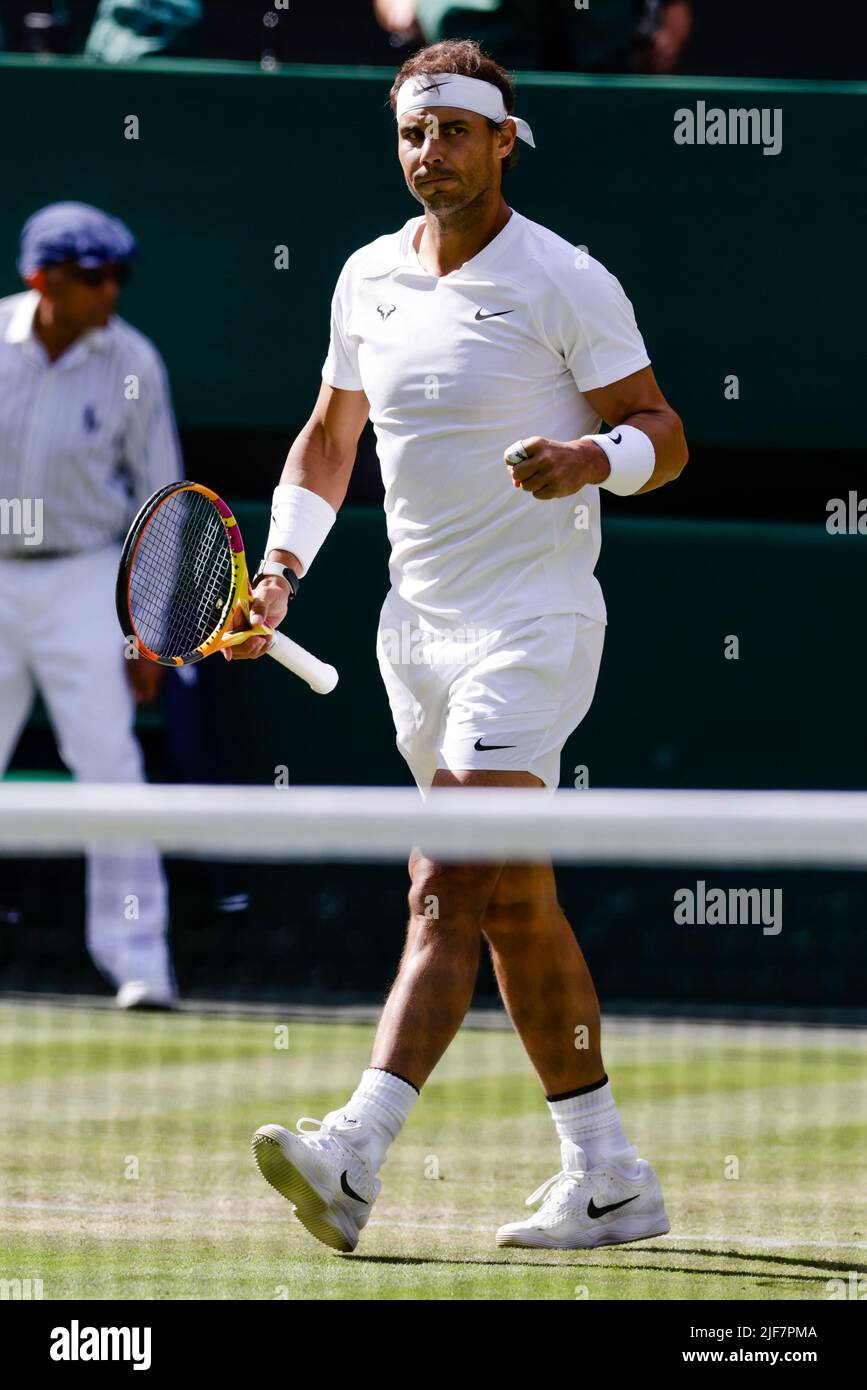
{"type": "Point", "coordinates": [670, 709]}
{"type": "Point", "coordinates": [736, 262]}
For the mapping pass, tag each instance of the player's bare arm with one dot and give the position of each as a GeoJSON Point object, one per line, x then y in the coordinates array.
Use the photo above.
{"type": "Point", "coordinates": [321, 459]}
{"type": "Point", "coordinates": [555, 469]}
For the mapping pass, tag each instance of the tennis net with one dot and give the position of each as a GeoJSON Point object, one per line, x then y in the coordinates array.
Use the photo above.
{"type": "Point", "coordinates": [724, 933]}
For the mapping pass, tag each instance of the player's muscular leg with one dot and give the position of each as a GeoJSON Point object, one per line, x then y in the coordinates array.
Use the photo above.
{"type": "Point", "coordinates": [543, 978]}
{"type": "Point", "coordinates": [440, 960]}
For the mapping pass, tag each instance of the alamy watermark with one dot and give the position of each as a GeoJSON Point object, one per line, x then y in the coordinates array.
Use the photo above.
{"type": "Point", "coordinates": [738, 125]}
{"type": "Point", "coordinates": [703, 906]}
{"type": "Point", "coordinates": [846, 517]}
{"type": "Point", "coordinates": [20, 1289]}
{"type": "Point", "coordinates": [77, 1343]}
{"type": "Point", "coordinates": [22, 516]}
{"type": "Point", "coordinates": [410, 645]}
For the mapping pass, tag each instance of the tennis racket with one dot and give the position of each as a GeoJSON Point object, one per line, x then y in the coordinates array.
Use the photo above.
{"type": "Point", "coordinates": [183, 576]}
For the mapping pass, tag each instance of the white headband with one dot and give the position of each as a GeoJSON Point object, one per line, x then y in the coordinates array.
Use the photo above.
{"type": "Point", "coordinates": [466, 93]}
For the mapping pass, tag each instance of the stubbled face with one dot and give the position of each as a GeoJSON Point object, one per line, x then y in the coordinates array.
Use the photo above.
{"type": "Point", "coordinates": [78, 304]}
{"type": "Point", "coordinates": [449, 156]}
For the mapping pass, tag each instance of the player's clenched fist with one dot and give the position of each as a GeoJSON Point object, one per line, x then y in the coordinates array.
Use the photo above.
{"type": "Point", "coordinates": [270, 601]}
{"type": "Point", "coordinates": [549, 469]}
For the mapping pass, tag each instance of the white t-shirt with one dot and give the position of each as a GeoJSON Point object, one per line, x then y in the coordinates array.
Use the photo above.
{"type": "Point", "coordinates": [456, 369]}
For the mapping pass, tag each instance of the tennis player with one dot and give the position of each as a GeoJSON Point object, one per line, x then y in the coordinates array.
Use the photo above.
{"type": "Point", "coordinates": [487, 351]}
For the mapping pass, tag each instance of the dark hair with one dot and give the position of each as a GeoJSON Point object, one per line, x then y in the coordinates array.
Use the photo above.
{"type": "Point", "coordinates": [466, 58]}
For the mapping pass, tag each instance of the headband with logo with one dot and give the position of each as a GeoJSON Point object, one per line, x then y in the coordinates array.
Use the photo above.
{"type": "Point", "coordinates": [466, 93]}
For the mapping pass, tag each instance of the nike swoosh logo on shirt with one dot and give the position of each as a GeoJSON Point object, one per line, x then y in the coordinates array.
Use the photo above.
{"type": "Point", "coordinates": [489, 747]}
{"type": "Point", "coordinates": [498, 314]}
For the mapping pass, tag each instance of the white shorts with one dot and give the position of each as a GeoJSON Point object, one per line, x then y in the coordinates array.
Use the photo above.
{"type": "Point", "coordinates": [498, 699]}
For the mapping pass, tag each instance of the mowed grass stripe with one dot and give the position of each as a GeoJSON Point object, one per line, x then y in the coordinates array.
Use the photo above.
{"type": "Point", "coordinates": [197, 1221]}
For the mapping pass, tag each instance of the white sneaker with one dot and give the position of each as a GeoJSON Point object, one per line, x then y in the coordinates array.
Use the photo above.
{"type": "Point", "coordinates": [137, 994]}
{"type": "Point", "coordinates": [582, 1209]}
{"type": "Point", "coordinates": [328, 1182]}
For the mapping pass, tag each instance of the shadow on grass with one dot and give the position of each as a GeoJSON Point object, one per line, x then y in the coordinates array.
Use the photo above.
{"type": "Point", "coordinates": [745, 1261]}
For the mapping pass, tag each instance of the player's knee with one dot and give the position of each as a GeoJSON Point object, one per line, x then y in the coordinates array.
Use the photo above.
{"type": "Point", "coordinates": [525, 903]}
{"type": "Point", "coordinates": [453, 895]}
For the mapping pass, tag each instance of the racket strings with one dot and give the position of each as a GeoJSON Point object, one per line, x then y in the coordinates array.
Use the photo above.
{"type": "Point", "coordinates": [182, 576]}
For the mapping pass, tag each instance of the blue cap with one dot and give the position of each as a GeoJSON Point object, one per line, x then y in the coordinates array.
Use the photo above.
{"type": "Point", "coordinates": [73, 232]}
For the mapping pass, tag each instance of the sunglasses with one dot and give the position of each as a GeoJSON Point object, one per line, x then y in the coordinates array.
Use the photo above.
{"type": "Point", "coordinates": [96, 276]}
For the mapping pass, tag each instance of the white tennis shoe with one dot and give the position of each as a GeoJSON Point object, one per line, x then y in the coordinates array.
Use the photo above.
{"type": "Point", "coordinates": [329, 1183]}
{"type": "Point", "coordinates": [582, 1209]}
{"type": "Point", "coordinates": [137, 994]}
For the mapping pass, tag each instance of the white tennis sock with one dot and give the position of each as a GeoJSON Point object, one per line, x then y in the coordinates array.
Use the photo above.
{"type": "Point", "coordinates": [590, 1119]}
{"type": "Point", "coordinates": [381, 1103]}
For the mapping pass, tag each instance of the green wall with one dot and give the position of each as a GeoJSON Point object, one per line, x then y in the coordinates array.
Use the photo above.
{"type": "Point", "coordinates": [737, 262]}
{"type": "Point", "coordinates": [670, 709]}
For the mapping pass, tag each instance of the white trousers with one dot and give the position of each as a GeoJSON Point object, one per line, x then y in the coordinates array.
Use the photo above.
{"type": "Point", "coordinates": [59, 635]}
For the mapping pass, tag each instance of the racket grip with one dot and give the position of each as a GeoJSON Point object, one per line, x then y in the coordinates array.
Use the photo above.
{"type": "Point", "coordinates": [318, 674]}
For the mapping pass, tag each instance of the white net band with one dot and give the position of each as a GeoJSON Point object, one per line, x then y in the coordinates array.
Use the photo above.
{"type": "Point", "coordinates": [799, 829]}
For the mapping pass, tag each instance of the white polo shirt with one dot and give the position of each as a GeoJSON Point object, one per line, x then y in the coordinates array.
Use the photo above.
{"type": "Point", "coordinates": [455, 369]}
{"type": "Point", "coordinates": [91, 434]}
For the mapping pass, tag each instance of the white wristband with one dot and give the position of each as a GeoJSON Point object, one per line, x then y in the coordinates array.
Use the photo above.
{"type": "Point", "coordinates": [300, 521]}
{"type": "Point", "coordinates": [631, 455]}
